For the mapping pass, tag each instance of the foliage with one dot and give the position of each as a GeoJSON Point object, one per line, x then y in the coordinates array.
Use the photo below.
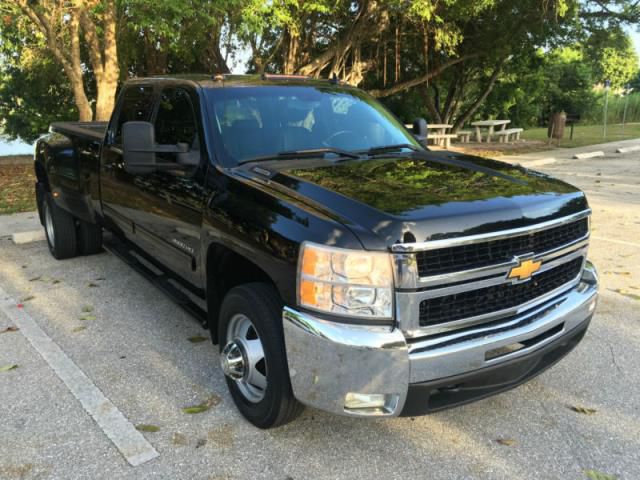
{"type": "Point", "coordinates": [32, 96]}
{"type": "Point", "coordinates": [612, 56]}
{"type": "Point", "coordinates": [449, 61]}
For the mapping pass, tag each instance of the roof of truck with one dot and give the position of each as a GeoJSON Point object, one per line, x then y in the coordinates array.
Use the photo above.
{"type": "Point", "coordinates": [228, 80]}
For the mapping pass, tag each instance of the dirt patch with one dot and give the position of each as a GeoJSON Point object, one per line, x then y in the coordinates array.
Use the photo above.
{"type": "Point", "coordinates": [222, 436]}
{"type": "Point", "coordinates": [17, 191]}
{"type": "Point", "coordinates": [494, 149]}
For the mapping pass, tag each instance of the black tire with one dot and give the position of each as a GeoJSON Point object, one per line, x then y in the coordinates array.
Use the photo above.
{"type": "Point", "coordinates": [261, 304]}
{"type": "Point", "coordinates": [89, 238]}
{"type": "Point", "coordinates": [60, 230]}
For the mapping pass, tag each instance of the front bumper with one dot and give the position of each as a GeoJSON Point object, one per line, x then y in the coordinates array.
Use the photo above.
{"type": "Point", "coordinates": [330, 362]}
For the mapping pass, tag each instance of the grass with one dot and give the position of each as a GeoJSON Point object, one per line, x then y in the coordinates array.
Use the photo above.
{"type": "Point", "coordinates": [587, 134]}
{"type": "Point", "coordinates": [17, 192]}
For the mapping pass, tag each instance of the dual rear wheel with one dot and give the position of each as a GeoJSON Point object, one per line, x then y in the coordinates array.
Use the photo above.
{"type": "Point", "coordinates": [67, 236]}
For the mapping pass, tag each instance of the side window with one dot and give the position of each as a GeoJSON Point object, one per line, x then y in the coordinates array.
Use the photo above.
{"type": "Point", "coordinates": [175, 121]}
{"type": "Point", "coordinates": [136, 106]}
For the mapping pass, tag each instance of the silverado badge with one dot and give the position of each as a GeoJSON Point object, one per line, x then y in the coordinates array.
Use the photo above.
{"type": "Point", "coordinates": [525, 269]}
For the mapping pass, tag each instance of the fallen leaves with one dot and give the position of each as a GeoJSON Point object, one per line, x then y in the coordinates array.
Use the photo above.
{"type": "Point", "coordinates": [87, 314]}
{"type": "Point", "coordinates": [212, 401]}
{"type": "Point", "coordinates": [508, 442]}
{"type": "Point", "coordinates": [9, 329]}
{"type": "Point", "coordinates": [79, 329]}
{"type": "Point", "coordinates": [27, 298]}
{"type": "Point", "coordinates": [6, 368]}
{"type": "Point", "coordinates": [596, 475]}
{"type": "Point", "coordinates": [583, 410]}
{"type": "Point", "coordinates": [197, 339]}
{"type": "Point", "coordinates": [143, 427]}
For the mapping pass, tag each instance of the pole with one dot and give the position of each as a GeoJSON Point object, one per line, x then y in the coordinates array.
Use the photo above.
{"type": "Point", "coordinates": [606, 107]}
{"type": "Point", "coordinates": [627, 92]}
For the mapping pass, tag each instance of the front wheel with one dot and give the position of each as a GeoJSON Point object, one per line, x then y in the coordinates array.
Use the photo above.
{"type": "Point", "coordinates": [252, 355]}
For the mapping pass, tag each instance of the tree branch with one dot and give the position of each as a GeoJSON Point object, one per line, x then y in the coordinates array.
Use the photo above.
{"type": "Point", "coordinates": [401, 87]}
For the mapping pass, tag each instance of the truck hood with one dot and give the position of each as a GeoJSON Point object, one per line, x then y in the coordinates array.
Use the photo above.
{"type": "Point", "coordinates": [427, 196]}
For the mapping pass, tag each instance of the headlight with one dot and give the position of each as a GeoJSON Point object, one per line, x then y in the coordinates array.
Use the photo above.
{"type": "Point", "coordinates": [353, 283]}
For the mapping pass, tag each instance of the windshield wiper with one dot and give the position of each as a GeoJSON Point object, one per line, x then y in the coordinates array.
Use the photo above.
{"type": "Point", "coordinates": [308, 153]}
{"type": "Point", "coordinates": [392, 148]}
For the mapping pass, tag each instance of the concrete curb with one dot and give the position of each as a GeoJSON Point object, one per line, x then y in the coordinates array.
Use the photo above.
{"type": "Point", "coordinates": [28, 237]}
{"type": "Point", "coordinates": [582, 156]}
{"type": "Point", "coordinates": [539, 162]}
{"type": "Point", "coordinates": [635, 148]}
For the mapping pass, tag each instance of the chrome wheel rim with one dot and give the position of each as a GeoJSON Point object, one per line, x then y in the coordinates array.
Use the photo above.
{"type": "Point", "coordinates": [243, 360]}
{"type": "Point", "coordinates": [48, 225]}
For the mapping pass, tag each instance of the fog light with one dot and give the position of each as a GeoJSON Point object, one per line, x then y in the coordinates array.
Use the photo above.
{"type": "Point", "coordinates": [371, 403]}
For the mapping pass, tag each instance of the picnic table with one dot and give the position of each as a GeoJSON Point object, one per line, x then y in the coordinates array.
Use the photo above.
{"type": "Point", "coordinates": [490, 124]}
{"type": "Point", "coordinates": [440, 136]}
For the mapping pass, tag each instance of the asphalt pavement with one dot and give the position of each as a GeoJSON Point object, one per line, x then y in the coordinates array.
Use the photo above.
{"type": "Point", "coordinates": [141, 352]}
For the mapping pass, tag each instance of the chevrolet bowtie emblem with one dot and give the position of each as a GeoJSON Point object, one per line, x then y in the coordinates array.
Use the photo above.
{"type": "Point", "coordinates": [525, 269]}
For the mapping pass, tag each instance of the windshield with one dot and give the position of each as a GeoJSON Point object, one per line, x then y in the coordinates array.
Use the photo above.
{"type": "Point", "coordinates": [252, 122]}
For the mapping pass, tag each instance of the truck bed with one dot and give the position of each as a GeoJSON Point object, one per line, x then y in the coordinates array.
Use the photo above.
{"type": "Point", "coordinates": [87, 130]}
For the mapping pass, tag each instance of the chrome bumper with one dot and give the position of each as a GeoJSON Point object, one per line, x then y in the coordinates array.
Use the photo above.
{"type": "Point", "coordinates": [330, 362]}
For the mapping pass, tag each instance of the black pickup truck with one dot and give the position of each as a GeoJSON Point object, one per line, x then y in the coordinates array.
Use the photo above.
{"type": "Point", "coordinates": [337, 262]}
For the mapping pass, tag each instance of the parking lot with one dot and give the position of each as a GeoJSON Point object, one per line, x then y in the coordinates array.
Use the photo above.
{"type": "Point", "coordinates": [143, 353]}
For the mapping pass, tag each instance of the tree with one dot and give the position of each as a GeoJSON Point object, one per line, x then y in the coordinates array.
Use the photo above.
{"type": "Point", "coordinates": [612, 56]}
{"type": "Point", "coordinates": [31, 95]}
{"type": "Point", "coordinates": [164, 36]}
{"type": "Point", "coordinates": [62, 25]}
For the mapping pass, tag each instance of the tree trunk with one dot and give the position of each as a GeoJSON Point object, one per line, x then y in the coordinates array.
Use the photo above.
{"type": "Point", "coordinates": [85, 114]}
{"type": "Point", "coordinates": [337, 52]}
{"type": "Point", "coordinates": [67, 54]}
{"type": "Point", "coordinates": [462, 119]}
{"type": "Point", "coordinates": [103, 55]}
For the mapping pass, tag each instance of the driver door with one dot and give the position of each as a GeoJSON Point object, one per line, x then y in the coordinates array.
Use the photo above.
{"type": "Point", "coordinates": [166, 205]}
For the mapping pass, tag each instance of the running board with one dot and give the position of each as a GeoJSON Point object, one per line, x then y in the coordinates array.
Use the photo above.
{"type": "Point", "coordinates": [153, 272]}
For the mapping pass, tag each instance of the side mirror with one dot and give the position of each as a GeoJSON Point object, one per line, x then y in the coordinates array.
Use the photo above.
{"type": "Point", "coordinates": [420, 130]}
{"type": "Point", "coordinates": [138, 141]}
{"type": "Point", "coordinates": [139, 150]}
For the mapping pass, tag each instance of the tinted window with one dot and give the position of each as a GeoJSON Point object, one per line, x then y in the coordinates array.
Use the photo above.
{"type": "Point", "coordinates": [176, 122]}
{"type": "Point", "coordinates": [255, 121]}
{"type": "Point", "coordinates": [136, 106]}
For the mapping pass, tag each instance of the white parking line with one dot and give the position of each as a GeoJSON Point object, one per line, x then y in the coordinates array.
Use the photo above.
{"type": "Point", "coordinates": [131, 443]}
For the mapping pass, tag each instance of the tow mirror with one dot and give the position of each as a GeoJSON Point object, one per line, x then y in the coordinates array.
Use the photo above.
{"type": "Point", "coordinates": [420, 130]}
{"type": "Point", "coordinates": [140, 148]}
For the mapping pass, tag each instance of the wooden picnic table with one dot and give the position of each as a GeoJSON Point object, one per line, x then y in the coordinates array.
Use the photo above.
{"type": "Point", "coordinates": [490, 124]}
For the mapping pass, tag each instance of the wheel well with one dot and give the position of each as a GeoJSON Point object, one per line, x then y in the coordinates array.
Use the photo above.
{"type": "Point", "coordinates": [41, 175]}
{"type": "Point", "coordinates": [227, 269]}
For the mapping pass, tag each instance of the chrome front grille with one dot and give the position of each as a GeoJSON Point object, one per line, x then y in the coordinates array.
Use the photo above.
{"type": "Point", "coordinates": [472, 303]}
{"type": "Point", "coordinates": [482, 254]}
{"type": "Point", "coordinates": [431, 301]}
